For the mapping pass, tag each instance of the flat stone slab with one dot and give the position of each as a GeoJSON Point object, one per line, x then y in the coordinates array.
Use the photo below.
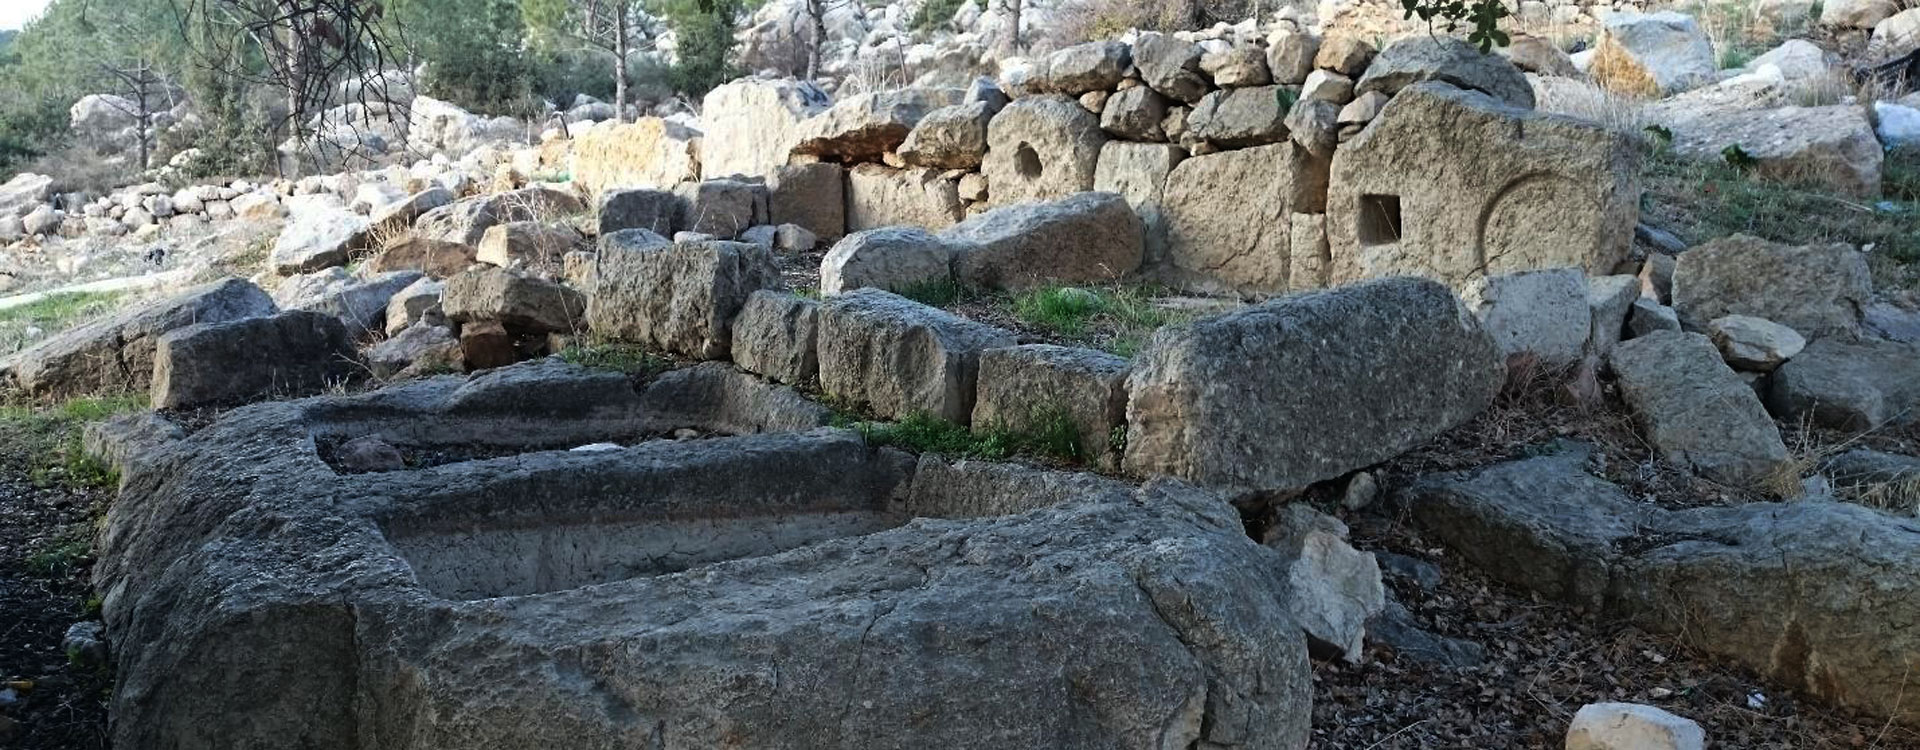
{"type": "Point", "coordinates": [759, 591]}
{"type": "Point", "coordinates": [1818, 595]}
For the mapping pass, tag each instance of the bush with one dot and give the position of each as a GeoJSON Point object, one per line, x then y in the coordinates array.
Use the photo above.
{"type": "Point", "coordinates": [935, 13]}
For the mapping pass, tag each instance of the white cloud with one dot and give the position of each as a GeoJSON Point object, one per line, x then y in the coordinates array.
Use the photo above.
{"type": "Point", "coordinates": [16, 13]}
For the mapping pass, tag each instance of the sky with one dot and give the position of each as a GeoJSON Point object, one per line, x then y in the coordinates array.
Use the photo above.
{"type": "Point", "coordinates": [16, 13]}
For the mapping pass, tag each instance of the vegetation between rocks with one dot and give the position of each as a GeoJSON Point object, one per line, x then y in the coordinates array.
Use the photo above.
{"type": "Point", "coordinates": [1053, 437]}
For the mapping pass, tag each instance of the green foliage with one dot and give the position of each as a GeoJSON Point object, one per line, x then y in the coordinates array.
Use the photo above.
{"type": "Point", "coordinates": [1483, 16]}
{"type": "Point", "coordinates": [936, 292]}
{"type": "Point", "coordinates": [1062, 309]}
{"type": "Point", "coordinates": [935, 13]}
{"type": "Point", "coordinates": [1052, 435]}
{"type": "Point", "coordinates": [474, 49]}
{"type": "Point", "coordinates": [50, 436]}
{"type": "Point", "coordinates": [627, 358]}
{"type": "Point", "coordinates": [1704, 200]}
{"type": "Point", "coordinates": [704, 30]}
{"type": "Point", "coordinates": [1737, 157]}
{"type": "Point", "coordinates": [60, 556]}
{"type": "Point", "coordinates": [50, 315]}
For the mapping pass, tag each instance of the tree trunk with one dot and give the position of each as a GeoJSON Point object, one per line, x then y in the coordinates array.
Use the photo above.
{"type": "Point", "coordinates": [620, 64]}
{"type": "Point", "coordinates": [817, 13]}
{"type": "Point", "coordinates": [296, 71]}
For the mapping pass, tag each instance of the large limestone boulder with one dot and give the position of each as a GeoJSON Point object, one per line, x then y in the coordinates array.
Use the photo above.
{"type": "Point", "coordinates": [1619, 726]}
{"type": "Point", "coordinates": [1428, 57]}
{"type": "Point", "coordinates": [294, 353]}
{"type": "Point", "coordinates": [24, 193]}
{"type": "Point", "coordinates": [867, 126]}
{"type": "Point", "coordinates": [116, 353]}
{"type": "Point", "coordinates": [360, 302]}
{"type": "Point", "coordinates": [752, 124]}
{"type": "Point", "coordinates": [1308, 387]}
{"type": "Point", "coordinates": [1853, 386]}
{"type": "Point", "coordinates": [1041, 148]}
{"type": "Point", "coordinates": [952, 137]}
{"type": "Point", "coordinates": [1698, 413]}
{"type": "Point", "coordinates": [1228, 216]}
{"type": "Point", "coordinates": [1135, 114]}
{"type": "Point", "coordinates": [812, 196]}
{"type": "Point", "coordinates": [1170, 66]}
{"type": "Point", "coordinates": [681, 298]}
{"type": "Point", "coordinates": [524, 243]}
{"type": "Point", "coordinates": [1452, 185]}
{"type": "Point", "coordinates": [524, 305]}
{"type": "Point", "coordinates": [392, 219]}
{"type": "Point", "coordinates": [1816, 290]}
{"type": "Point", "coordinates": [466, 221]}
{"type": "Point", "coordinates": [1543, 314]}
{"type": "Point", "coordinates": [436, 258]}
{"type": "Point", "coordinates": [1808, 594]}
{"type": "Point", "coordinates": [1038, 386]}
{"type": "Point", "coordinates": [1138, 172]}
{"type": "Point", "coordinates": [776, 335]}
{"type": "Point", "coordinates": [647, 153]}
{"type": "Point", "coordinates": [881, 196]}
{"type": "Point", "coordinates": [317, 238]}
{"type": "Point", "coordinates": [657, 211]}
{"type": "Point", "coordinates": [894, 357]}
{"type": "Point", "coordinates": [720, 208]}
{"type": "Point", "coordinates": [1093, 66]}
{"type": "Point", "coordinates": [1238, 118]}
{"type": "Point", "coordinates": [1833, 146]}
{"type": "Point", "coordinates": [1652, 54]}
{"type": "Point", "coordinates": [1085, 238]}
{"type": "Point", "coordinates": [892, 258]}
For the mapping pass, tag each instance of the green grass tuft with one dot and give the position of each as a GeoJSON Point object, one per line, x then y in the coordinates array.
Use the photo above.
{"type": "Point", "coordinates": [1701, 201]}
{"type": "Point", "coordinates": [1052, 435]}
{"type": "Point", "coordinates": [50, 315]}
{"type": "Point", "coordinates": [1064, 310]}
{"type": "Point", "coordinates": [631, 359]}
{"type": "Point", "coordinates": [936, 292]}
{"type": "Point", "coordinates": [61, 556]}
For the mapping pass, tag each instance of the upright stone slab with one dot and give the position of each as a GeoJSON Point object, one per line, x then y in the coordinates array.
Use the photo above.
{"type": "Point", "coordinates": [116, 353]}
{"type": "Point", "coordinates": [1228, 216]}
{"type": "Point", "coordinates": [647, 153]}
{"type": "Point", "coordinates": [681, 298]}
{"type": "Point", "coordinates": [1036, 386]}
{"type": "Point", "coordinates": [1308, 387]}
{"type": "Point", "coordinates": [1041, 148]}
{"type": "Point", "coordinates": [1412, 193]}
{"type": "Point", "coordinates": [896, 357]}
{"type": "Point", "coordinates": [1695, 411]}
{"type": "Point", "coordinates": [809, 195]}
{"type": "Point", "coordinates": [721, 208]}
{"type": "Point", "coordinates": [291, 354]}
{"type": "Point", "coordinates": [1542, 313]}
{"type": "Point", "coordinates": [1085, 238]}
{"type": "Point", "coordinates": [776, 335]}
{"type": "Point", "coordinates": [656, 211]}
{"type": "Point", "coordinates": [752, 124]}
{"type": "Point", "coordinates": [881, 196]}
{"type": "Point", "coordinates": [1138, 172]}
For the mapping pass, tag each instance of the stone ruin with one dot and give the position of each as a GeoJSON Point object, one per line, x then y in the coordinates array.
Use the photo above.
{"type": "Point", "coordinates": [781, 587]}
{"type": "Point", "coordinates": [699, 559]}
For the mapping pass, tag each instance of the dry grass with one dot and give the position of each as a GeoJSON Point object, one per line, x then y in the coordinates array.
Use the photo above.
{"type": "Point", "coordinates": [1588, 101]}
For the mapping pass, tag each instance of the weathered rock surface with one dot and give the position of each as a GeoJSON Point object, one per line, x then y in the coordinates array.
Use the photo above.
{"type": "Point", "coordinates": [1542, 313]}
{"type": "Point", "coordinates": [895, 357]}
{"type": "Point", "coordinates": [1237, 118]}
{"type": "Point", "coordinates": [1610, 299]}
{"type": "Point", "coordinates": [1040, 148]}
{"type": "Point", "coordinates": [466, 221]}
{"type": "Point", "coordinates": [359, 302]}
{"type": "Point", "coordinates": [116, 353]}
{"type": "Point", "coordinates": [1652, 54]}
{"type": "Point", "coordinates": [523, 304]}
{"type": "Point", "coordinates": [751, 124]}
{"type": "Point", "coordinates": [952, 137]}
{"type": "Point", "coordinates": [1033, 386]}
{"type": "Point", "coordinates": [1192, 630]}
{"type": "Point", "coordinates": [881, 196]}
{"type": "Point", "coordinates": [1632, 726]}
{"type": "Point", "coordinates": [721, 209]}
{"type": "Point", "coordinates": [1411, 193]}
{"type": "Point", "coordinates": [1426, 57]}
{"type": "Point", "coordinates": [1834, 146]}
{"type": "Point", "coordinates": [810, 195]}
{"type": "Point", "coordinates": [294, 353]}
{"type": "Point", "coordinates": [648, 152]}
{"type": "Point", "coordinates": [891, 258]}
{"type": "Point", "coordinates": [1754, 344]}
{"type": "Point", "coordinates": [866, 126]}
{"type": "Point", "coordinates": [1696, 411]}
{"type": "Point", "coordinates": [682, 298]}
{"type": "Point", "coordinates": [656, 211]}
{"type": "Point", "coordinates": [1227, 216]}
{"type": "Point", "coordinates": [1170, 66]}
{"type": "Point", "coordinates": [1087, 67]}
{"type": "Point", "coordinates": [1817, 290]}
{"type": "Point", "coordinates": [1849, 386]}
{"type": "Point", "coordinates": [526, 242]}
{"type": "Point", "coordinates": [1083, 238]}
{"type": "Point", "coordinates": [436, 258]}
{"type": "Point", "coordinates": [421, 348]}
{"type": "Point", "coordinates": [1308, 387]}
{"type": "Point", "coordinates": [316, 239]}
{"type": "Point", "coordinates": [776, 336]}
{"type": "Point", "coordinates": [1807, 593]}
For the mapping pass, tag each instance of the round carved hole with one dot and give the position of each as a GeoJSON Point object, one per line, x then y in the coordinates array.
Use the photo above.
{"type": "Point", "coordinates": [1026, 162]}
